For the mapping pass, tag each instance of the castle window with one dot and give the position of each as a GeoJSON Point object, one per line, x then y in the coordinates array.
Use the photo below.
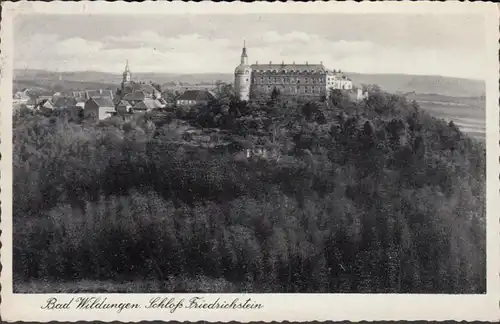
{"type": "Point", "coordinates": [261, 80]}
{"type": "Point", "coordinates": [247, 79]}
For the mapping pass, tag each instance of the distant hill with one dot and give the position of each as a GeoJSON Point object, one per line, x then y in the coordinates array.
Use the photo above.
{"type": "Point", "coordinates": [430, 84]}
{"type": "Point", "coordinates": [447, 86]}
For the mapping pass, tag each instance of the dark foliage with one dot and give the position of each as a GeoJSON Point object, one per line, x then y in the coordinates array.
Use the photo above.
{"type": "Point", "coordinates": [372, 196]}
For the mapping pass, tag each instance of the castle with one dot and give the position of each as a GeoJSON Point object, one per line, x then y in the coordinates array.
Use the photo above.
{"type": "Point", "coordinates": [311, 80]}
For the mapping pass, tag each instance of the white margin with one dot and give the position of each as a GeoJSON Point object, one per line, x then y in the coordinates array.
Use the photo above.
{"type": "Point", "coordinates": [278, 307]}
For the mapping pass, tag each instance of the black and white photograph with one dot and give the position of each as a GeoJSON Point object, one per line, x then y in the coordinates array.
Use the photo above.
{"type": "Point", "coordinates": [259, 153]}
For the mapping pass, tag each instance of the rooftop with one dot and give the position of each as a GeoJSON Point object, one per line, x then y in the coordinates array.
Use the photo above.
{"type": "Point", "coordinates": [197, 95]}
{"type": "Point", "coordinates": [314, 68]}
{"type": "Point", "coordinates": [103, 102]}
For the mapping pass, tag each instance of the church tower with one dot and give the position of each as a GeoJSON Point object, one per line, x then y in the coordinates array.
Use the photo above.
{"type": "Point", "coordinates": [127, 76]}
{"type": "Point", "coordinates": [242, 77]}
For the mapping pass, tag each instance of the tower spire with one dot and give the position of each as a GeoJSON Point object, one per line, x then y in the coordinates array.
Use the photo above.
{"type": "Point", "coordinates": [127, 76]}
{"type": "Point", "coordinates": [244, 56]}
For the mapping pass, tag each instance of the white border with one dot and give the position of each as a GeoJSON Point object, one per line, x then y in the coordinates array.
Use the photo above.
{"type": "Point", "coordinates": [277, 307]}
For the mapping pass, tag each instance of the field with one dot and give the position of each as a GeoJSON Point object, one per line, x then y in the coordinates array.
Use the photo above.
{"type": "Point", "coordinates": [469, 114]}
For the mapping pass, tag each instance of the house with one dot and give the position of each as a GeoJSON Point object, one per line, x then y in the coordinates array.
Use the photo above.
{"type": "Point", "coordinates": [87, 94]}
{"type": "Point", "coordinates": [123, 106]}
{"type": "Point", "coordinates": [135, 97]}
{"type": "Point", "coordinates": [98, 108]}
{"type": "Point", "coordinates": [65, 102]}
{"type": "Point", "coordinates": [99, 94]}
{"type": "Point", "coordinates": [31, 103]}
{"type": "Point", "coordinates": [46, 105]}
{"type": "Point", "coordinates": [44, 97]}
{"type": "Point", "coordinates": [80, 102]}
{"type": "Point", "coordinates": [21, 97]}
{"type": "Point", "coordinates": [194, 97]}
{"type": "Point", "coordinates": [147, 105]}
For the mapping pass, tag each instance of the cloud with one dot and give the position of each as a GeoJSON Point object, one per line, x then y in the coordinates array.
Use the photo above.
{"type": "Point", "coordinates": [149, 51]}
{"type": "Point", "coordinates": [71, 46]}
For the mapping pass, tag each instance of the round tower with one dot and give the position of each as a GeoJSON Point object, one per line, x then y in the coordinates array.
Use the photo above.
{"type": "Point", "coordinates": [242, 77]}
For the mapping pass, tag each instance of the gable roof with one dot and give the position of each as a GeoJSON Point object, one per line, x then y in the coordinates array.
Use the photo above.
{"type": "Point", "coordinates": [47, 103]}
{"type": "Point", "coordinates": [103, 102]}
{"type": "Point", "coordinates": [63, 102]}
{"type": "Point", "coordinates": [99, 93]}
{"type": "Point", "coordinates": [148, 104]}
{"type": "Point", "coordinates": [314, 68]}
{"type": "Point", "coordinates": [134, 86]}
{"type": "Point", "coordinates": [196, 95]}
{"type": "Point", "coordinates": [123, 103]}
{"type": "Point", "coordinates": [136, 95]}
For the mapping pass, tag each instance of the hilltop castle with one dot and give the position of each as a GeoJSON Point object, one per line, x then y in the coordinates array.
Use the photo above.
{"type": "Point", "coordinates": [312, 80]}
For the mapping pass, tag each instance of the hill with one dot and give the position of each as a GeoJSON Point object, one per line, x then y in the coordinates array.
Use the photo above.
{"type": "Point", "coordinates": [374, 196]}
{"type": "Point", "coordinates": [429, 84]}
{"type": "Point", "coordinates": [447, 86]}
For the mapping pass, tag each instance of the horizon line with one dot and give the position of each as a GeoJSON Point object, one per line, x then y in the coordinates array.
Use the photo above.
{"type": "Point", "coordinates": [228, 73]}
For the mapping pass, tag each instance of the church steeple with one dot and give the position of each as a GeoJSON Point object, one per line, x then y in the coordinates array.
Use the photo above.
{"type": "Point", "coordinates": [244, 56]}
{"type": "Point", "coordinates": [127, 76]}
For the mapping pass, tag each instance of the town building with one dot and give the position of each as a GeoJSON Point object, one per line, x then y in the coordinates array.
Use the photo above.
{"type": "Point", "coordinates": [129, 86]}
{"type": "Point", "coordinates": [147, 105]}
{"type": "Point", "coordinates": [87, 94]}
{"type": "Point", "coordinates": [98, 108]}
{"type": "Point", "coordinates": [123, 107]}
{"type": "Point", "coordinates": [64, 102]}
{"type": "Point", "coordinates": [45, 105]}
{"type": "Point", "coordinates": [44, 97]}
{"type": "Point", "coordinates": [21, 97]}
{"type": "Point", "coordinates": [310, 80]}
{"type": "Point", "coordinates": [194, 97]}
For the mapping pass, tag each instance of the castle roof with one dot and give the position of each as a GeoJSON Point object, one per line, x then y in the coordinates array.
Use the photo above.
{"type": "Point", "coordinates": [304, 68]}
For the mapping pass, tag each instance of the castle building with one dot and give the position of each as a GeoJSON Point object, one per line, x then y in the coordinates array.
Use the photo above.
{"type": "Point", "coordinates": [242, 77]}
{"type": "Point", "coordinates": [309, 80]}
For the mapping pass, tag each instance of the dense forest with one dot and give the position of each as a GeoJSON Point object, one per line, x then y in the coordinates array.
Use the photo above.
{"type": "Point", "coordinates": [374, 196]}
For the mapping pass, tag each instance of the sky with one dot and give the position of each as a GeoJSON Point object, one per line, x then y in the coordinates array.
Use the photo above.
{"type": "Point", "coordinates": [448, 45]}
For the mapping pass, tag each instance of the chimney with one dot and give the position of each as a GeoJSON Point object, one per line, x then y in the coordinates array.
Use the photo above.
{"type": "Point", "coordinates": [307, 63]}
{"type": "Point", "coordinates": [270, 62]}
{"type": "Point", "coordinates": [256, 62]}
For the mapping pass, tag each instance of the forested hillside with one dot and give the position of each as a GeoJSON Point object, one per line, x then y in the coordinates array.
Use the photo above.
{"type": "Point", "coordinates": [374, 196]}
